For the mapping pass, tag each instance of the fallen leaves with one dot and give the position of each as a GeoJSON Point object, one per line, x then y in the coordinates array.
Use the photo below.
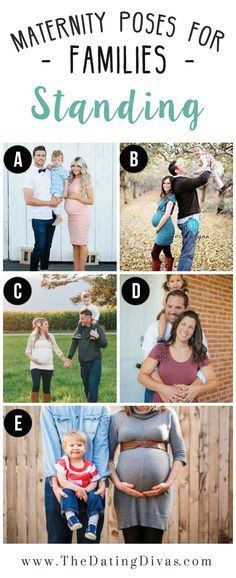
{"type": "Point", "coordinates": [214, 249]}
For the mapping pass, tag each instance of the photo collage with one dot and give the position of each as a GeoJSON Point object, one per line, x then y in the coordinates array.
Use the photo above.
{"type": "Point", "coordinates": [118, 343]}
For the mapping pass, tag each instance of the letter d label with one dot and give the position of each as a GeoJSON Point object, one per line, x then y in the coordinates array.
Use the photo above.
{"type": "Point", "coordinates": [135, 291]}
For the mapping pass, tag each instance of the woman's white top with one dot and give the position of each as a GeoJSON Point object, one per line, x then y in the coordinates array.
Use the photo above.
{"type": "Point", "coordinates": [42, 349]}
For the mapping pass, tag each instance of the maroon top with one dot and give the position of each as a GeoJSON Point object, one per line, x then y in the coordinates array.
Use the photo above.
{"type": "Point", "coordinates": [172, 371]}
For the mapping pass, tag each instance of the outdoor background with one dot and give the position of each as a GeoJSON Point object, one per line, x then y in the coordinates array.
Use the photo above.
{"type": "Point", "coordinates": [202, 509]}
{"type": "Point", "coordinates": [211, 296]}
{"type": "Point", "coordinates": [140, 194]}
{"type": "Point", "coordinates": [55, 296]}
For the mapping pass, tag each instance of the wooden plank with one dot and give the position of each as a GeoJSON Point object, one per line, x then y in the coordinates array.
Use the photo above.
{"type": "Point", "coordinates": [231, 518]}
{"type": "Point", "coordinates": [214, 426]}
{"type": "Point", "coordinates": [11, 474]}
{"type": "Point", "coordinates": [41, 521]}
{"type": "Point", "coordinates": [194, 436]}
{"type": "Point", "coordinates": [23, 503]}
{"type": "Point", "coordinates": [184, 419]}
{"type": "Point", "coordinates": [204, 477]}
{"type": "Point", "coordinates": [32, 480]}
{"type": "Point", "coordinates": [224, 476]}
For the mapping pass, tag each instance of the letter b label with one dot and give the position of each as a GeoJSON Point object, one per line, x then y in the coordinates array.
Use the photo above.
{"type": "Point", "coordinates": [133, 159]}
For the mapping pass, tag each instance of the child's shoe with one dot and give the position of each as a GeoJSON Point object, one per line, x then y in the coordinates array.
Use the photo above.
{"type": "Point", "coordinates": [57, 221]}
{"type": "Point", "coordinates": [91, 532]}
{"type": "Point", "coordinates": [74, 523]}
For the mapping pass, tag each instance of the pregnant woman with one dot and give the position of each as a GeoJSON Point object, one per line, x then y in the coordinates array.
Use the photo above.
{"type": "Point", "coordinates": [164, 227]}
{"type": "Point", "coordinates": [179, 361]}
{"type": "Point", "coordinates": [144, 473]}
{"type": "Point", "coordinates": [39, 350]}
{"type": "Point", "coordinates": [77, 207]}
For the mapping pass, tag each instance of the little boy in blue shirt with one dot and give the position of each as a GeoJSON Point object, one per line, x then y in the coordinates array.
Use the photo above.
{"type": "Point", "coordinates": [59, 181]}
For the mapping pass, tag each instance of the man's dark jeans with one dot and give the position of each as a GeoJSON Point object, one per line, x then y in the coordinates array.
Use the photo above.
{"type": "Point", "coordinates": [43, 235]}
{"type": "Point", "coordinates": [57, 529]}
{"type": "Point", "coordinates": [148, 395]}
{"type": "Point", "coordinates": [91, 372]}
{"type": "Point", "coordinates": [189, 231]}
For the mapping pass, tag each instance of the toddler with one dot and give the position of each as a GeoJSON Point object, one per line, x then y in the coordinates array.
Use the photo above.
{"type": "Point", "coordinates": [172, 283]}
{"type": "Point", "coordinates": [78, 479]}
{"type": "Point", "coordinates": [216, 168]}
{"type": "Point", "coordinates": [86, 303]}
{"type": "Point", "coordinates": [59, 181]}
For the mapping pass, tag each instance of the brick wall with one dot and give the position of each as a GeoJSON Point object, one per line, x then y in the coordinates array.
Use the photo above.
{"type": "Point", "coordinates": [211, 296]}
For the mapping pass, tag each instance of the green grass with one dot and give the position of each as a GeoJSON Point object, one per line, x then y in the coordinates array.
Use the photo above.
{"type": "Point", "coordinates": [66, 385]}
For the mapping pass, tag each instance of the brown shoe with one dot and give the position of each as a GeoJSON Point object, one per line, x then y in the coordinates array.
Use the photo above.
{"type": "Point", "coordinates": [169, 263]}
{"type": "Point", "coordinates": [156, 265]}
{"type": "Point", "coordinates": [47, 398]}
{"type": "Point", "coordinates": [34, 396]}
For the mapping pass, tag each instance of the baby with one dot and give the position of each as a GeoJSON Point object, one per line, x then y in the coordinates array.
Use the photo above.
{"type": "Point", "coordinates": [86, 303]}
{"type": "Point", "coordinates": [59, 181]}
{"type": "Point", "coordinates": [78, 479]}
{"type": "Point", "coordinates": [216, 168]}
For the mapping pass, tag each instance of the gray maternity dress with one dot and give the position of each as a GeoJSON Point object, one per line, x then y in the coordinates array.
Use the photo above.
{"type": "Point", "coordinates": [144, 467]}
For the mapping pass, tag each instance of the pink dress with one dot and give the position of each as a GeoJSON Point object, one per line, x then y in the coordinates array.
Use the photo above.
{"type": "Point", "coordinates": [79, 216]}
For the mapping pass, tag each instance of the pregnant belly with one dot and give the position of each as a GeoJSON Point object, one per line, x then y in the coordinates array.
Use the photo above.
{"type": "Point", "coordinates": [72, 207]}
{"type": "Point", "coordinates": [143, 467]}
{"type": "Point", "coordinates": [43, 355]}
{"type": "Point", "coordinates": [156, 218]}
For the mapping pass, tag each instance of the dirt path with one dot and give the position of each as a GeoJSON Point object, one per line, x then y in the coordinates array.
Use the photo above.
{"type": "Point", "coordinates": [214, 249]}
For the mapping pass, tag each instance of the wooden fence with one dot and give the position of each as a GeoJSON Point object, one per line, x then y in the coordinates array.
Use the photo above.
{"type": "Point", "coordinates": [202, 498]}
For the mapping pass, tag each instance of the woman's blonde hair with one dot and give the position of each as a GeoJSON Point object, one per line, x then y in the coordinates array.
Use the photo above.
{"type": "Point", "coordinates": [36, 325]}
{"type": "Point", "coordinates": [85, 176]}
{"type": "Point", "coordinates": [155, 408]}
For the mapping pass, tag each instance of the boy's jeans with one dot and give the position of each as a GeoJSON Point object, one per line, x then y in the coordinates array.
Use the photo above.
{"type": "Point", "coordinates": [71, 503]}
{"type": "Point", "coordinates": [57, 529]}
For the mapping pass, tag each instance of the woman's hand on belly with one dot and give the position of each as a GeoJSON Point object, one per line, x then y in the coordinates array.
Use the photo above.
{"type": "Point", "coordinates": [129, 490]}
{"type": "Point", "coordinates": [156, 490]}
{"type": "Point", "coordinates": [190, 392]}
{"type": "Point", "coordinates": [36, 361]}
{"type": "Point", "coordinates": [170, 393]}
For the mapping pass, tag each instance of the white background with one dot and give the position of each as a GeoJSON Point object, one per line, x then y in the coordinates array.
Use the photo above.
{"type": "Point", "coordinates": [208, 80]}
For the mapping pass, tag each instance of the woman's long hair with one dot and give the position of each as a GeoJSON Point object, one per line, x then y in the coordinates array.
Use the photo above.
{"type": "Point", "coordinates": [163, 192]}
{"type": "Point", "coordinates": [85, 177]}
{"type": "Point", "coordinates": [36, 325]}
{"type": "Point", "coordinates": [155, 408]}
{"type": "Point", "coordinates": [195, 342]}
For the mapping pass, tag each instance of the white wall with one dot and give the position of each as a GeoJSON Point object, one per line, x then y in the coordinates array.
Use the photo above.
{"type": "Point", "coordinates": [102, 164]}
{"type": "Point", "coordinates": [134, 320]}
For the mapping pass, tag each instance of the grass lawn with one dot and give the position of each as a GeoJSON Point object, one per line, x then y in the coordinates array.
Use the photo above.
{"type": "Point", "coordinates": [66, 385]}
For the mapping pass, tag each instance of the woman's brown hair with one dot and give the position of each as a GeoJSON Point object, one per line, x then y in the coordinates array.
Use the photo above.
{"type": "Point", "coordinates": [195, 342]}
{"type": "Point", "coordinates": [37, 324]}
{"type": "Point", "coordinates": [155, 408]}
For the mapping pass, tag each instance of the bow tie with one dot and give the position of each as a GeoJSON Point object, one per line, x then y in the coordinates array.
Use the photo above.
{"type": "Point", "coordinates": [41, 170]}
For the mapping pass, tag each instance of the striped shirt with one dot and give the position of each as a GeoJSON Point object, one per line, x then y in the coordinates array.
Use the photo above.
{"type": "Point", "coordinates": [79, 476]}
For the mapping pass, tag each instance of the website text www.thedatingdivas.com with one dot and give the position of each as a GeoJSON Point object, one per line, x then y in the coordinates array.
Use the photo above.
{"type": "Point", "coordinates": [118, 561]}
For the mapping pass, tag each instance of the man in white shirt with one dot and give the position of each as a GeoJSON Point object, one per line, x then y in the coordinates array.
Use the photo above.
{"type": "Point", "coordinates": [176, 303]}
{"type": "Point", "coordinates": [36, 188]}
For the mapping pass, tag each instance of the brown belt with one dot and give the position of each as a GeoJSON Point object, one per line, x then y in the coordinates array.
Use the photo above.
{"type": "Point", "coordinates": [143, 444]}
